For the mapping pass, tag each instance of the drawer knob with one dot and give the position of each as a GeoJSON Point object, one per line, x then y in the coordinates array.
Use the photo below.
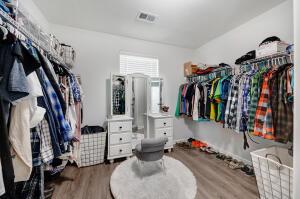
{"type": "Point", "coordinates": [120, 127]}
{"type": "Point", "coordinates": [165, 123]}
{"type": "Point", "coordinates": [121, 150]}
{"type": "Point", "coordinates": [121, 139]}
{"type": "Point", "coordinates": [165, 133]}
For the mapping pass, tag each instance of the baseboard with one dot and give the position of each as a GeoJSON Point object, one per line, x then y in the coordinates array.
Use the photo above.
{"type": "Point", "coordinates": [219, 150]}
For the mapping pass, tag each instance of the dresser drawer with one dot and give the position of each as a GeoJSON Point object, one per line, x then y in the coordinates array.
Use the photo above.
{"type": "Point", "coordinates": [116, 127]}
{"type": "Point", "coordinates": [120, 138]}
{"type": "Point", "coordinates": [120, 150]}
{"type": "Point", "coordinates": [164, 122]}
{"type": "Point", "coordinates": [164, 132]}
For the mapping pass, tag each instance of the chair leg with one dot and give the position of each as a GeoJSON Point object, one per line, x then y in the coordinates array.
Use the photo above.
{"type": "Point", "coordinates": [140, 163]}
{"type": "Point", "coordinates": [163, 165]}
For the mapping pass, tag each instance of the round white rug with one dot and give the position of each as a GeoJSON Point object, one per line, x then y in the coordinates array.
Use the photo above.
{"type": "Point", "coordinates": [130, 181]}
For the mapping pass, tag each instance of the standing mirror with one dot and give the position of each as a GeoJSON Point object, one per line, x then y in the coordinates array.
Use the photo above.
{"type": "Point", "coordinates": [139, 101]}
{"type": "Point", "coordinates": [155, 95]}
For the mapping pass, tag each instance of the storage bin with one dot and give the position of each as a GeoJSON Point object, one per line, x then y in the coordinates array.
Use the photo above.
{"type": "Point", "coordinates": [91, 149]}
{"type": "Point", "coordinates": [68, 54]}
{"type": "Point", "coordinates": [189, 69]}
{"type": "Point", "coordinates": [271, 48]}
{"type": "Point", "coordinates": [273, 169]}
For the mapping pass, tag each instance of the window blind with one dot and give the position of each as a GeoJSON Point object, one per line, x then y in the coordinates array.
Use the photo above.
{"type": "Point", "coordinates": [130, 64]}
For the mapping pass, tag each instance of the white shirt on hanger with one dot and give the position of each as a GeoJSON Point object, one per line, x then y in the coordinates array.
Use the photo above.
{"type": "Point", "coordinates": [196, 100]}
{"type": "Point", "coordinates": [37, 113]}
{"type": "Point", "coordinates": [25, 115]}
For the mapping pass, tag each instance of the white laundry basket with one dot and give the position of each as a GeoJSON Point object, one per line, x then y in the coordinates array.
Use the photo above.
{"type": "Point", "coordinates": [273, 169]}
{"type": "Point", "coordinates": [92, 149]}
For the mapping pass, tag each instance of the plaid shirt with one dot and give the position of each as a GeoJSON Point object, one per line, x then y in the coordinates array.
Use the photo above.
{"type": "Point", "coordinates": [34, 187]}
{"type": "Point", "coordinates": [228, 104]}
{"type": "Point", "coordinates": [245, 103]}
{"type": "Point", "coordinates": [35, 147]}
{"type": "Point", "coordinates": [46, 144]}
{"type": "Point", "coordinates": [255, 90]}
{"type": "Point", "coordinates": [263, 123]}
{"type": "Point", "coordinates": [64, 126]}
{"type": "Point", "coordinates": [231, 106]}
{"type": "Point", "coordinates": [284, 119]}
{"type": "Point", "coordinates": [254, 93]}
{"type": "Point", "coordinates": [238, 115]}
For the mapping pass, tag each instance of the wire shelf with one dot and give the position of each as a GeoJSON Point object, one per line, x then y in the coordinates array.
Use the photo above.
{"type": "Point", "coordinates": [263, 59]}
{"type": "Point", "coordinates": [219, 72]}
{"type": "Point", "coordinates": [40, 39]}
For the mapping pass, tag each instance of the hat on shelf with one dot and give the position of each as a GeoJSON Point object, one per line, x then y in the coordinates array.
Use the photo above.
{"type": "Point", "coordinates": [269, 40]}
{"type": "Point", "coordinates": [248, 56]}
{"type": "Point", "coordinates": [223, 65]}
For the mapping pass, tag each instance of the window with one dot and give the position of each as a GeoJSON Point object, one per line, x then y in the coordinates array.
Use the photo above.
{"type": "Point", "coordinates": [134, 64]}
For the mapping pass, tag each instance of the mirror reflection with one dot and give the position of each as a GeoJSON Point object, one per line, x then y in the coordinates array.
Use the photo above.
{"type": "Point", "coordinates": [118, 97]}
{"type": "Point", "coordinates": [139, 103]}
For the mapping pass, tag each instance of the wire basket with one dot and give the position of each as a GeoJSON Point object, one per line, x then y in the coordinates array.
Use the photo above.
{"type": "Point", "coordinates": [92, 149]}
{"type": "Point", "coordinates": [27, 22]}
{"type": "Point", "coordinates": [55, 45]}
{"type": "Point", "coordinates": [68, 54]}
{"type": "Point", "coordinates": [273, 169]}
{"type": "Point", "coordinates": [44, 40]}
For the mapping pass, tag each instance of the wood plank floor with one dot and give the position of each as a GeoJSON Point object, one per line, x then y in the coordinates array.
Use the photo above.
{"type": "Point", "coordinates": [214, 179]}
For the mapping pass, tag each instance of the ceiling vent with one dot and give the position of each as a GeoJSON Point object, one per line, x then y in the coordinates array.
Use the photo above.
{"type": "Point", "coordinates": [146, 17]}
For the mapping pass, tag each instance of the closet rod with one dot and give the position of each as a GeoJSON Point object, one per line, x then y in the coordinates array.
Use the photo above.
{"type": "Point", "coordinates": [8, 19]}
{"type": "Point", "coordinates": [273, 56]}
{"type": "Point", "coordinates": [220, 72]}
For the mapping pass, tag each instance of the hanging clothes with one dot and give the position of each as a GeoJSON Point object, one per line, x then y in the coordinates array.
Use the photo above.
{"type": "Point", "coordinates": [282, 108]}
{"type": "Point", "coordinates": [232, 103]}
{"type": "Point", "coordinates": [7, 171]}
{"type": "Point", "coordinates": [34, 108]}
{"type": "Point", "coordinates": [203, 101]}
{"type": "Point", "coordinates": [213, 103]}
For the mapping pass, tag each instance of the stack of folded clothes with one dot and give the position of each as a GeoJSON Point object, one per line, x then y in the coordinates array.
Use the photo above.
{"type": "Point", "coordinates": [248, 56]}
{"type": "Point", "coordinates": [206, 69]}
{"type": "Point", "coordinates": [252, 54]}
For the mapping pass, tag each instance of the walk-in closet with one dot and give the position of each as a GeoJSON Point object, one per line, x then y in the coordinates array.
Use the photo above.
{"type": "Point", "coordinates": [140, 99]}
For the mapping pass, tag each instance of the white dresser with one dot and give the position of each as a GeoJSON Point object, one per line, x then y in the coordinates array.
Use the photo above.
{"type": "Point", "coordinates": [161, 125]}
{"type": "Point", "coordinates": [119, 137]}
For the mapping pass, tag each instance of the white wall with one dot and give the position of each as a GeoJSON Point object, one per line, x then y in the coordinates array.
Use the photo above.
{"type": "Point", "coordinates": [297, 101]}
{"type": "Point", "coordinates": [98, 56]}
{"type": "Point", "coordinates": [35, 13]}
{"type": "Point", "coordinates": [227, 48]}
